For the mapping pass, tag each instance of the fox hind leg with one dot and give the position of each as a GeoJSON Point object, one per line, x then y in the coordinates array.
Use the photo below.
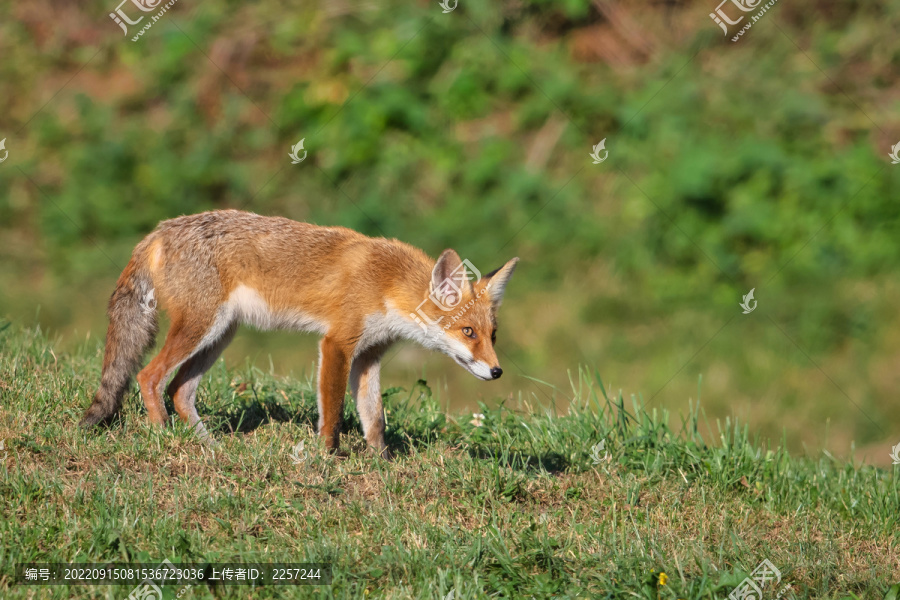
{"type": "Point", "coordinates": [182, 342]}
{"type": "Point", "coordinates": [183, 388]}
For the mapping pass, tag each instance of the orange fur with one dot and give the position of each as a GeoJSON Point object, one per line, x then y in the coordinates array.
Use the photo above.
{"type": "Point", "coordinates": [215, 270]}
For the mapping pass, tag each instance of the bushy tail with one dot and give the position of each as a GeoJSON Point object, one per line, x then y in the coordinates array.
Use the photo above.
{"type": "Point", "coordinates": [132, 331]}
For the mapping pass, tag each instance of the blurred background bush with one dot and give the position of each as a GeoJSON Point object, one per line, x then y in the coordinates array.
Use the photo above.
{"type": "Point", "coordinates": [757, 164]}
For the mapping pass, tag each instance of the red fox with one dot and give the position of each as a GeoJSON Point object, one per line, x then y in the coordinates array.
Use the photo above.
{"type": "Point", "coordinates": [215, 270]}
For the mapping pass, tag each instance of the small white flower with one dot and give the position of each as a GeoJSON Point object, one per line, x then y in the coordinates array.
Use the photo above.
{"type": "Point", "coordinates": [477, 419]}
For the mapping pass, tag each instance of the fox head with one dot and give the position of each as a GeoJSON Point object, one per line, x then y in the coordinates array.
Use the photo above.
{"type": "Point", "coordinates": [459, 314]}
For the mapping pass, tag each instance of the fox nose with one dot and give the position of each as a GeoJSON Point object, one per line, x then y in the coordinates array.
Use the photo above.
{"type": "Point", "coordinates": [496, 372]}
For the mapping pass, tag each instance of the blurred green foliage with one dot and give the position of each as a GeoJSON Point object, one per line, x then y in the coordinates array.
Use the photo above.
{"type": "Point", "coordinates": [760, 164]}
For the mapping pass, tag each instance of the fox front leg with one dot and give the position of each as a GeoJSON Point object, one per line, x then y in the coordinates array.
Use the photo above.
{"type": "Point", "coordinates": [334, 367]}
{"type": "Point", "coordinates": [365, 385]}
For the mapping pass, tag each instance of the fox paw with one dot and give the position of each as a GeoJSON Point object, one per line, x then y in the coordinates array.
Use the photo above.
{"type": "Point", "coordinates": [384, 452]}
{"type": "Point", "coordinates": [338, 453]}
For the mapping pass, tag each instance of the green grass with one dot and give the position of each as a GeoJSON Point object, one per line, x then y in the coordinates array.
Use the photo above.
{"type": "Point", "coordinates": [515, 507]}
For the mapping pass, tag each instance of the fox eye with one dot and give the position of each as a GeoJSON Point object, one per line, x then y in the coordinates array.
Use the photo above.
{"type": "Point", "coordinates": [468, 332]}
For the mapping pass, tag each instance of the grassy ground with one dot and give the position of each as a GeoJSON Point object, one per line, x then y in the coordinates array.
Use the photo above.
{"type": "Point", "coordinates": [520, 506]}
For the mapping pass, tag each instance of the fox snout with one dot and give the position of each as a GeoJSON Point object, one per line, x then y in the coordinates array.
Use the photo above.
{"type": "Point", "coordinates": [483, 370]}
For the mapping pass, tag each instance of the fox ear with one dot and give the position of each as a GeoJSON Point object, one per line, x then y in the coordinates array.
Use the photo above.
{"type": "Point", "coordinates": [446, 264]}
{"type": "Point", "coordinates": [498, 279]}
